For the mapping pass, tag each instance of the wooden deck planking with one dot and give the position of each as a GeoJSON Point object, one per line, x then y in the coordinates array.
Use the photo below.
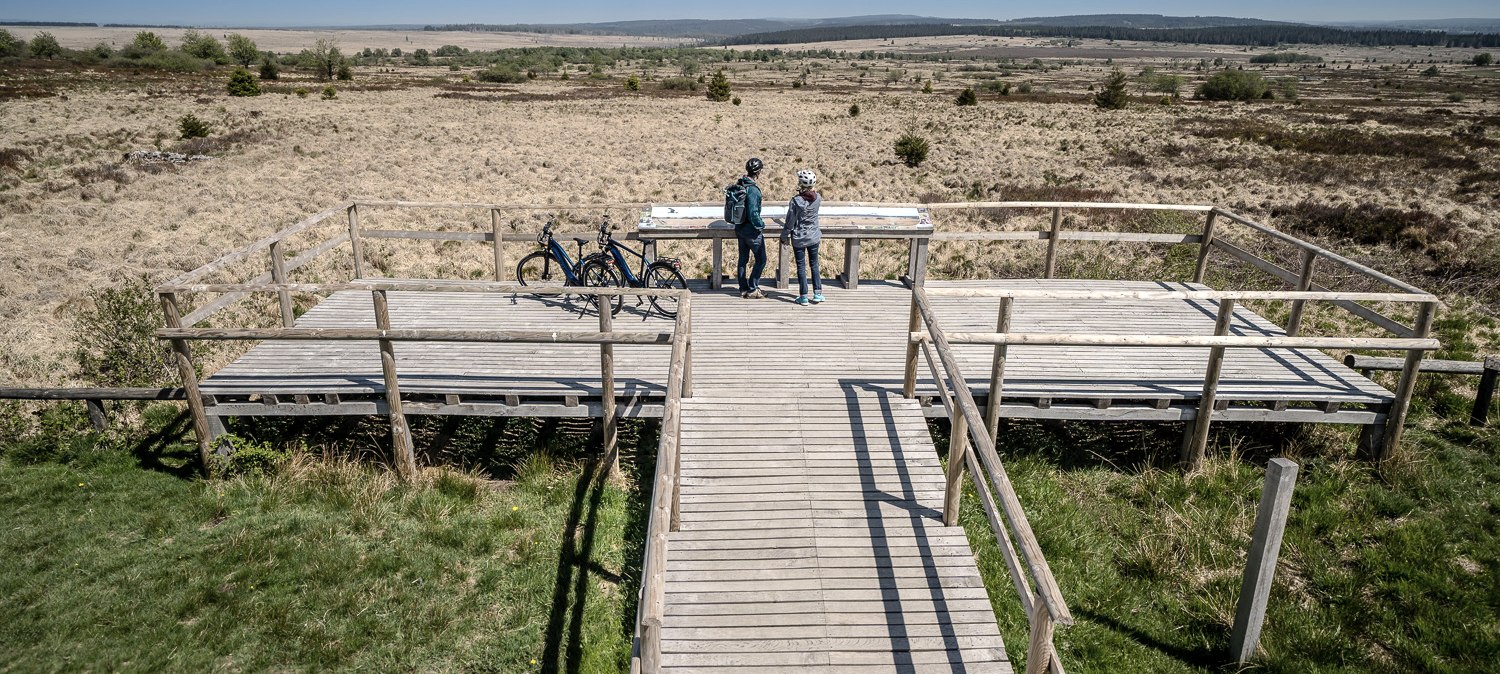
{"type": "Point", "coordinates": [831, 556]}
{"type": "Point", "coordinates": [856, 337]}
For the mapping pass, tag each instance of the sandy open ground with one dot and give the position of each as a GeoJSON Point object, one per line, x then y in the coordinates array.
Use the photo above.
{"type": "Point", "coordinates": [549, 141]}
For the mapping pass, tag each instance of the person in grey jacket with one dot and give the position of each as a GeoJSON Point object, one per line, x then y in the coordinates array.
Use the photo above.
{"type": "Point", "coordinates": [803, 231]}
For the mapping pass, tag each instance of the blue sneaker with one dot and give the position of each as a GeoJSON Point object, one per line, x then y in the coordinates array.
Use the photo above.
{"type": "Point", "coordinates": [817, 298]}
{"type": "Point", "coordinates": [802, 300]}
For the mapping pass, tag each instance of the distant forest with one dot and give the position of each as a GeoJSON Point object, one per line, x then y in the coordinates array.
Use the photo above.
{"type": "Point", "coordinates": [1257, 36]}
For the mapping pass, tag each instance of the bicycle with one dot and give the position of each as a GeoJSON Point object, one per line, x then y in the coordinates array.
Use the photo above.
{"type": "Point", "coordinates": [662, 273]}
{"type": "Point", "coordinates": [536, 269]}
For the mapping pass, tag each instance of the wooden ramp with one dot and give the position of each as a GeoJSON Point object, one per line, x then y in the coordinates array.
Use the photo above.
{"type": "Point", "coordinates": [812, 540]}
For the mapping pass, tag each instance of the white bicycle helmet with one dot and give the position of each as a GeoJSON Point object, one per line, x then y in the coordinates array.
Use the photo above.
{"type": "Point", "coordinates": [806, 178]}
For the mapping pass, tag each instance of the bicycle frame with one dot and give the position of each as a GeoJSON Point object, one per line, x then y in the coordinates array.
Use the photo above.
{"type": "Point", "coordinates": [558, 253]}
{"type": "Point", "coordinates": [615, 249]}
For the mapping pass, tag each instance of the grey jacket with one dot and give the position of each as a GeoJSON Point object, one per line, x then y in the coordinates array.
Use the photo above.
{"type": "Point", "coordinates": [802, 220]}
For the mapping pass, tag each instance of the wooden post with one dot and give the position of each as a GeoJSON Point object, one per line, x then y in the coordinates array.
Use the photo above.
{"type": "Point", "coordinates": [278, 275]}
{"type": "Point", "coordinates": [716, 280]}
{"type": "Point", "coordinates": [958, 446]}
{"type": "Point", "coordinates": [686, 311]}
{"type": "Point", "coordinates": [1395, 419]}
{"type": "Point", "coordinates": [499, 241]}
{"type": "Point", "coordinates": [1039, 647]}
{"type": "Point", "coordinates": [97, 419]}
{"type": "Point", "coordinates": [1260, 568]}
{"type": "Point", "coordinates": [405, 459]}
{"type": "Point", "coordinates": [1052, 242]}
{"type": "Point", "coordinates": [997, 374]}
{"type": "Point", "coordinates": [916, 270]}
{"type": "Point", "coordinates": [1195, 439]}
{"type": "Point", "coordinates": [851, 263]}
{"type": "Point", "coordinates": [1481, 413]}
{"type": "Point", "coordinates": [607, 393]}
{"type": "Point", "coordinates": [909, 380]}
{"type": "Point", "coordinates": [189, 375]}
{"type": "Point", "coordinates": [1304, 283]}
{"type": "Point", "coordinates": [1204, 246]}
{"type": "Point", "coordinates": [783, 251]}
{"type": "Point", "coordinates": [356, 245]}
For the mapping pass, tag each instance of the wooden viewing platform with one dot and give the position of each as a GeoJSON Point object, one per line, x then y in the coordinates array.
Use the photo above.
{"type": "Point", "coordinates": [800, 517]}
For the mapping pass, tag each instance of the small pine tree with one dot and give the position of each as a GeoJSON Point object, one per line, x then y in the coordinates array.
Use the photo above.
{"type": "Point", "coordinates": [242, 83]}
{"type": "Point", "coordinates": [192, 127]}
{"type": "Point", "coordinates": [330, 93]}
{"type": "Point", "coordinates": [927, 88]}
{"type": "Point", "coordinates": [736, 100]}
{"type": "Point", "coordinates": [718, 89]}
{"type": "Point", "coordinates": [854, 110]}
{"type": "Point", "coordinates": [968, 97]}
{"type": "Point", "coordinates": [345, 73]}
{"type": "Point", "coordinates": [911, 149]}
{"type": "Point", "coordinates": [632, 83]}
{"type": "Point", "coordinates": [1113, 95]}
{"type": "Point", "coordinates": [269, 70]}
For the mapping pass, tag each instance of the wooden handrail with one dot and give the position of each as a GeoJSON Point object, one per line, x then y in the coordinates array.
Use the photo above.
{"type": "Point", "coordinates": [137, 393]}
{"type": "Point", "coordinates": [1219, 341]}
{"type": "Point", "coordinates": [1322, 252]}
{"type": "Point", "coordinates": [417, 335]}
{"type": "Point", "coordinates": [256, 246]}
{"type": "Point", "coordinates": [1048, 607]}
{"type": "Point", "coordinates": [422, 286]}
{"type": "Point", "coordinates": [1240, 295]}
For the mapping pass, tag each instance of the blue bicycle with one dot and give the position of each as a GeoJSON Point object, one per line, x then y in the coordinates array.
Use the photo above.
{"type": "Point", "coordinates": [551, 267]}
{"type": "Point", "coordinates": [662, 273]}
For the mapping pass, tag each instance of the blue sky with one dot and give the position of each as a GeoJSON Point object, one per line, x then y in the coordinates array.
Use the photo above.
{"type": "Point", "coordinates": [343, 12]}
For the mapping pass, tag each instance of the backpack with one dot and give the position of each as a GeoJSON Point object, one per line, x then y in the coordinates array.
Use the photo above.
{"type": "Point", "coordinates": [735, 198]}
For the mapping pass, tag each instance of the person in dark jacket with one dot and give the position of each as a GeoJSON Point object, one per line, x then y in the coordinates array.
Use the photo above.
{"type": "Point", "coordinates": [749, 233]}
{"type": "Point", "coordinates": [803, 231]}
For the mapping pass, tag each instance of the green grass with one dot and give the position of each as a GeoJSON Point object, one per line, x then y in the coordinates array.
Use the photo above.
{"type": "Point", "coordinates": [112, 559]}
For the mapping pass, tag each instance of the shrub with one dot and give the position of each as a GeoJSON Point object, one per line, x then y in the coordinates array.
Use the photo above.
{"type": "Point", "coordinates": [1456, 97]}
{"type": "Point", "coordinates": [269, 70]}
{"type": "Point", "coordinates": [324, 58]}
{"type": "Point", "coordinates": [1483, 59]}
{"type": "Point", "coordinates": [330, 93]}
{"type": "Point", "coordinates": [242, 83]}
{"type": "Point", "coordinates": [421, 57]}
{"type": "Point", "coordinates": [736, 100]}
{"type": "Point", "coordinates": [345, 73]}
{"type": "Point", "coordinates": [1431, 71]}
{"type": "Point", "coordinates": [1112, 96]}
{"type": "Point", "coordinates": [45, 46]}
{"type": "Point", "coordinates": [1286, 57]}
{"type": "Point", "coordinates": [148, 42]}
{"type": "Point", "coordinates": [632, 83]}
{"type": "Point", "coordinates": [114, 341]}
{"type": "Point", "coordinates": [674, 83]}
{"type": "Point", "coordinates": [502, 73]}
{"type": "Point", "coordinates": [796, 84]}
{"type": "Point", "coordinates": [204, 47]}
{"type": "Point", "coordinates": [450, 50]}
{"type": "Point", "coordinates": [242, 49]}
{"type": "Point", "coordinates": [1233, 85]}
{"type": "Point", "coordinates": [249, 457]}
{"type": "Point", "coordinates": [192, 127]}
{"type": "Point", "coordinates": [102, 51]}
{"type": "Point", "coordinates": [173, 61]}
{"type": "Point", "coordinates": [301, 92]}
{"type": "Point", "coordinates": [911, 149]}
{"type": "Point", "coordinates": [927, 87]}
{"type": "Point", "coordinates": [10, 45]}
{"type": "Point", "coordinates": [967, 97]}
{"type": "Point", "coordinates": [718, 89]}
{"type": "Point", "coordinates": [854, 110]}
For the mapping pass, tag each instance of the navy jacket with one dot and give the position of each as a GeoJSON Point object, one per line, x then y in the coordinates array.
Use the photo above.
{"type": "Point", "coordinates": [753, 223]}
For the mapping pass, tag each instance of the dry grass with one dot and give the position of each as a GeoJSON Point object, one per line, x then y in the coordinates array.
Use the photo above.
{"type": "Point", "coordinates": [74, 218]}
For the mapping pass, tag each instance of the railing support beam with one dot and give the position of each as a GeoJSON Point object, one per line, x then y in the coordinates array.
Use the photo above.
{"type": "Point", "coordinates": [607, 392]}
{"type": "Point", "coordinates": [1195, 439]}
{"type": "Point", "coordinates": [997, 373]}
{"type": "Point", "coordinates": [278, 275]}
{"type": "Point", "coordinates": [499, 241]}
{"type": "Point", "coordinates": [1052, 238]}
{"type": "Point", "coordinates": [1304, 284]}
{"type": "Point", "coordinates": [356, 244]}
{"type": "Point", "coordinates": [183, 356]}
{"type": "Point", "coordinates": [1395, 420]}
{"type": "Point", "coordinates": [958, 447]}
{"type": "Point", "coordinates": [404, 456]}
{"type": "Point", "coordinates": [1204, 246]}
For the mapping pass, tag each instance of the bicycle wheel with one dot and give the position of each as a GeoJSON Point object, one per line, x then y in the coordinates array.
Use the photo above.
{"type": "Point", "coordinates": [539, 269]}
{"type": "Point", "coordinates": [664, 277]}
{"type": "Point", "coordinates": [595, 274]}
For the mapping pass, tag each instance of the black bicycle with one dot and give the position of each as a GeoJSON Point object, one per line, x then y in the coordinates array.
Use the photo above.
{"type": "Point", "coordinates": [664, 273]}
{"type": "Point", "coordinates": [537, 269]}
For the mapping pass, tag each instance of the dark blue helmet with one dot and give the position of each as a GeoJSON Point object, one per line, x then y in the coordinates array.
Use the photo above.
{"type": "Point", "coordinates": [754, 166]}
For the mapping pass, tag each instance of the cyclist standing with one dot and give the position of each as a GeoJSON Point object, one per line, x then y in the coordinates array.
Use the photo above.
{"type": "Point", "coordinates": [803, 231]}
{"type": "Point", "coordinates": [748, 232]}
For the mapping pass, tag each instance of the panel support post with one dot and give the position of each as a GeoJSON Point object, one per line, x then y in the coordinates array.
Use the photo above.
{"type": "Point", "coordinates": [851, 263]}
{"type": "Point", "coordinates": [499, 241]}
{"type": "Point", "coordinates": [96, 415]}
{"type": "Point", "coordinates": [278, 275]}
{"type": "Point", "coordinates": [1039, 647]}
{"type": "Point", "coordinates": [1052, 242]}
{"type": "Point", "coordinates": [607, 392]}
{"type": "Point", "coordinates": [183, 354]}
{"type": "Point", "coordinates": [1204, 246]}
{"type": "Point", "coordinates": [1481, 413]}
{"type": "Point", "coordinates": [909, 380]}
{"type": "Point", "coordinates": [1396, 419]}
{"type": "Point", "coordinates": [716, 280]}
{"type": "Point", "coordinates": [958, 446]}
{"type": "Point", "coordinates": [1195, 439]}
{"type": "Point", "coordinates": [1304, 284]}
{"type": "Point", "coordinates": [356, 245]}
{"type": "Point", "coordinates": [783, 273]}
{"type": "Point", "coordinates": [997, 374]}
{"type": "Point", "coordinates": [916, 266]}
{"type": "Point", "coordinates": [1260, 568]}
{"type": "Point", "coordinates": [405, 458]}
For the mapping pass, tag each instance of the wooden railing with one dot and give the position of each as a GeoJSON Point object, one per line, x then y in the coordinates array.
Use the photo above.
{"type": "Point", "coordinates": [93, 398]}
{"type": "Point", "coordinates": [1044, 606]}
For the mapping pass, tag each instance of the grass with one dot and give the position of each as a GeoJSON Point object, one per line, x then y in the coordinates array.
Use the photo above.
{"type": "Point", "coordinates": [115, 560]}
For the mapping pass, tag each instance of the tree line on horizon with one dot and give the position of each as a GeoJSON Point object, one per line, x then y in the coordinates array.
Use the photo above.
{"type": "Point", "coordinates": [1251, 36]}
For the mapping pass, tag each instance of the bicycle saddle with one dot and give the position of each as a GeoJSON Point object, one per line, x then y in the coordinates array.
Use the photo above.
{"type": "Point", "coordinates": [646, 242]}
{"type": "Point", "coordinates": [581, 240]}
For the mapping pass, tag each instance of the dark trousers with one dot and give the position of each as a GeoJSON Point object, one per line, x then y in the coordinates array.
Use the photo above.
{"type": "Point", "coordinates": [804, 257]}
{"type": "Point", "coordinates": [751, 243]}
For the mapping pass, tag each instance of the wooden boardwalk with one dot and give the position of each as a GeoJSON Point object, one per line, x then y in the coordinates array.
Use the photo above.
{"type": "Point", "coordinates": [812, 540]}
